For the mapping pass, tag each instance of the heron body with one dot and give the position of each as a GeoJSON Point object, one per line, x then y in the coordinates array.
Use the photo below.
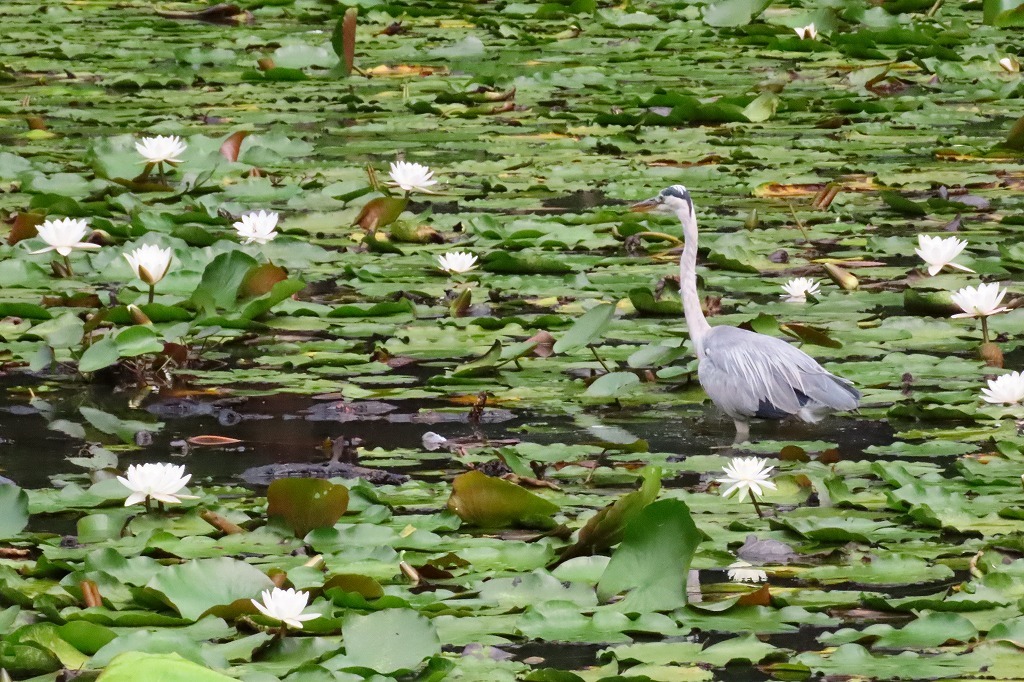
{"type": "Point", "coordinates": [746, 374]}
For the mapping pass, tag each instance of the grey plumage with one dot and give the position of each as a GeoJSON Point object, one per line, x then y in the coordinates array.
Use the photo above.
{"type": "Point", "coordinates": [748, 375]}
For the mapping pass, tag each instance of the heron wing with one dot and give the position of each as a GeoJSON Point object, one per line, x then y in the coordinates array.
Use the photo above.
{"type": "Point", "coordinates": [754, 375]}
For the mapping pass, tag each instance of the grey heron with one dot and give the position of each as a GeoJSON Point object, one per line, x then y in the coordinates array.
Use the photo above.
{"type": "Point", "coordinates": [746, 374]}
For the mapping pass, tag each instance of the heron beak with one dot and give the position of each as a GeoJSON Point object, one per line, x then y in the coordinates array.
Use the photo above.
{"type": "Point", "coordinates": [645, 206]}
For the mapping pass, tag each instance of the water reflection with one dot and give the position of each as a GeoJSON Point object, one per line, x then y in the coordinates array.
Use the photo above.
{"type": "Point", "coordinates": [288, 428]}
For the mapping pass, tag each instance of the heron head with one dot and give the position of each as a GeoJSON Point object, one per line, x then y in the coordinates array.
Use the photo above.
{"type": "Point", "coordinates": [669, 200]}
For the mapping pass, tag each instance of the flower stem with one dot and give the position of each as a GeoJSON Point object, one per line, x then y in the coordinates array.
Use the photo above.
{"type": "Point", "coordinates": [984, 328]}
{"type": "Point", "coordinates": [160, 169]}
{"type": "Point", "coordinates": [67, 264]}
{"type": "Point", "coordinates": [152, 291]}
{"type": "Point", "coordinates": [757, 507]}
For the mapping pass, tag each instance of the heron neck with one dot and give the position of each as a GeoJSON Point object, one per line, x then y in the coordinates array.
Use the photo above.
{"type": "Point", "coordinates": [696, 323]}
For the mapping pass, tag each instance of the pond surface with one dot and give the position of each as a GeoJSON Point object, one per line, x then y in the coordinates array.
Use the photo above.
{"type": "Point", "coordinates": [567, 521]}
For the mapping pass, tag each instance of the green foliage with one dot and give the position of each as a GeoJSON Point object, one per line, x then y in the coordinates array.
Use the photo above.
{"type": "Point", "coordinates": [653, 559]}
{"type": "Point", "coordinates": [490, 502]}
{"type": "Point", "coordinates": [13, 510]}
{"type": "Point", "coordinates": [306, 503]}
{"type": "Point", "coordinates": [891, 546]}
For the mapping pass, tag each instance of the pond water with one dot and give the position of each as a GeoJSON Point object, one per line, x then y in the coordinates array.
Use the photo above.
{"type": "Point", "coordinates": [287, 428]}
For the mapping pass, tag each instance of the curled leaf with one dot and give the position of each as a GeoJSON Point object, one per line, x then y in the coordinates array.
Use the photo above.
{"type": "Point", "coordinates": [488, 502]}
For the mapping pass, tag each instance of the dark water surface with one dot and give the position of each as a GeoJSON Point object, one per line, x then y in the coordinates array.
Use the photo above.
{"type": "Point", "coordinates": [290, 428]}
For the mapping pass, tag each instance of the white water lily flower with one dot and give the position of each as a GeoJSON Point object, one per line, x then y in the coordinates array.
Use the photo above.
{"type": "Point", "coordinates": [797, 289]}
{"type": "Point", "coordinates": [285, 605]}
{"type": "Point", "coordinates": [412, 176]}
{"type": "Point", "coordinates": [744, 572]}
{"type": "Point", "coordinates": [1007, 389]}
{"type": "Point", "coordinates": [745, 474]}
{"type": "Point", "coordinates": [161, 149]}
{"type": "Point", "coordinates": [64, 236]}
{"type": "Point", "coordinates": [160, 482]}
{"type": "Point", "coordinates": [807, 32]}
{"type": "Point", "coordinates": [257, 227]}
{"type": "Point", "coordinates": [150, 262]}
{"type": "Point", "coordinates": [1010, 64]}
{"type": "Point", "coordinates": [938, 252]}
{"type": "Point", "coordinates": [980, 301]}
{"type": "Point", "coordinates": [456, 262]}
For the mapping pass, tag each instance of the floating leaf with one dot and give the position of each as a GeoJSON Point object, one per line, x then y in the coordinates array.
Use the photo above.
{"type": "Point", "coordinates": [653, 559]}
{"type": "Point", "coordinates": [489, 502]}
{"type": "Point", "coordinates": [215, 441]}
{"type": "Point", "coordinates": [605, 528]}
{"type": "Point", "coordinates": [389, 641]}
{"type": "Point", "coordinates": [734, 12]}
{"type": "Point", "coordinates": [808, 334]}
{"type": "Point", "coordinates": [230, 148]}
{"type": "Point", "coordinates": [13, 510]}
{"type": "Point", "coordinates": [306, 503]}
{"type": "Point", "coordinates": [587, 329]}
{"type": "Point", "coordinates": [261, 280]}
{"type": "Point", "coordinates": [221, 280]}
{"type": "Point", "coordinates": [196, 587]}
{"type": "Point", "coordinates": [903, 205]}
{"type": "Point", "coordinates": [612, 385]}
{"type": "Point", "coordinates": [1003, 13]}
{"type": "Point", "coordinates": [136, 665]}
{"type": "Point", "coordinates": [380, 212]}
{"type": "Point", "coordinates": [343, 39]}
{"type": "Point", "coordinates": [363, 585]}
{"type": "Point", "coordinates": [102, 353]}
{"type": "Point", "coordinates": [24, 227]}
{"type": "Point", "coordinates": [524, 264]}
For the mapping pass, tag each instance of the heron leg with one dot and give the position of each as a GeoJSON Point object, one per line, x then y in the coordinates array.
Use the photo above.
{"type": "Point", "coordinates": [742, 432]}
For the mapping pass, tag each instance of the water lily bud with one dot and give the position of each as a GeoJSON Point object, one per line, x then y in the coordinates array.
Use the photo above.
{"type": "Point", "coordinates": [808, 32]}
{"type": "Point", "coordinates": [101, 237]}
{"type": "Point", "coordinates": [991, 354]}
{"type": "Point", "coordinates": [845, 279]}
{"type": "Point", "coordinates": [138, 317]}
{"type": "Point", "coordinates": [461, 303]}
{"type": "Point", "coordinates": [752, 221]}
{"type": "Point", "coordinates": [59, 269]}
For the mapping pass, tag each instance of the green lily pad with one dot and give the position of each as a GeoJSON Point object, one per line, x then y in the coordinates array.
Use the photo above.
{"type": "Point", "coordinates": [306, 503]}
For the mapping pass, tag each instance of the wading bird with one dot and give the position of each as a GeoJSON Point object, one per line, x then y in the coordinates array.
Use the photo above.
{"type": "Point", "coordinates": [746, 374]}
